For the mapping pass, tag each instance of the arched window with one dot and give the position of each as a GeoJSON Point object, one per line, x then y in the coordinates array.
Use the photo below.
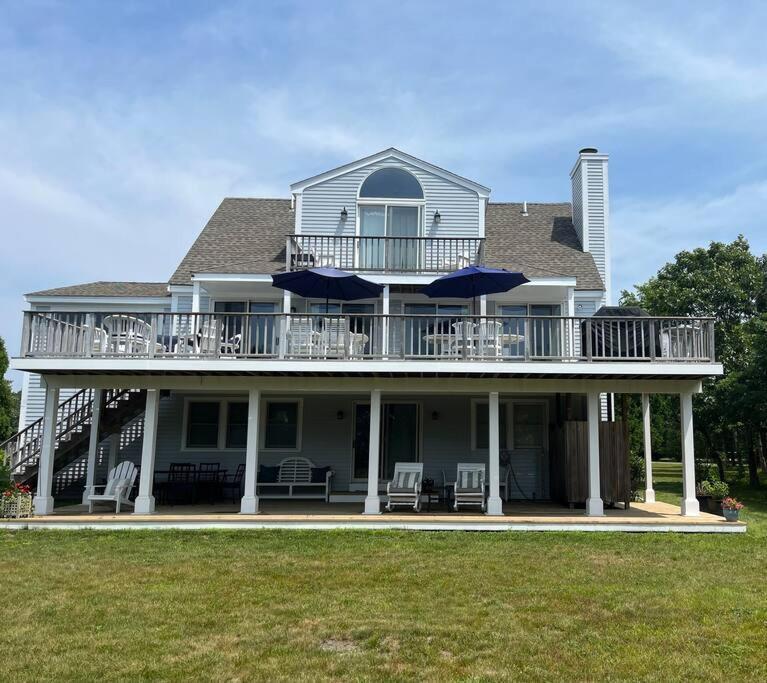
{"type": "Point", "coordinates": [390, 210]}
{"type": "Point", "coordinates": [391, 183]}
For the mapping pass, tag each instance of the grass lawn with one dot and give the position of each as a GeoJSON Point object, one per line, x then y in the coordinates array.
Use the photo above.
{"type": "Point", "coordinates": [293, 605]}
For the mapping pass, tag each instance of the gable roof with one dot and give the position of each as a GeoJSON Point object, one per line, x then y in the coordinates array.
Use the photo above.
{"type": "Point", "coordinates": [242, 236]}
{"type": "Point", "coordinates": [541, 244]}
{"type": "Point", "coordinates": [248, 236]}
{"type": "Point", "coordinates": [391, 153]}
{"type": "Point", "coordinates": [102, 288]}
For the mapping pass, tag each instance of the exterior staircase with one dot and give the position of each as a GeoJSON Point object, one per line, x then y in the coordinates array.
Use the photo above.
{"type": "Point", "coordinates": [73, 423]}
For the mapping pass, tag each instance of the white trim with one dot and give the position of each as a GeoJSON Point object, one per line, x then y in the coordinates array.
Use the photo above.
{"type": "Point", "coordinates": [185, 424]}
{"type": "Point", "coordinates": [299, 423]}
{"type": "Point", "coordinates": [231, 277]}
{"type": "Point", "coordinates": [608, 266]}
{"type": "Point", "coordinates": [377, 522]}
{"type": "Point", "coordinates": [180, 289]}
{"type": "Point", "coordinates": [589, 293]}
{"type": "Point", "coordinates": [299, 209]}
{"type": "Point", "coordinates": [227, 366]}
{"type": "Point", "coordinates": [482, 212]}
{"type": "Point", "coordinates": [589, 157]}
{"type": "Point", "coordinates": [391, 153]}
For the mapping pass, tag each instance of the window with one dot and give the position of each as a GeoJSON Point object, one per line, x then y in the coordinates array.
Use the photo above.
{"type": "Point", "coordinates": [236, 425]}
{"type": "Point", "coordinates": [482, 425]}
{"type": "Point", "coordinates": [281, 428]}
{"type": "Point", "coordinates": [529, 424]}
{"type": "Point", "coordinates": [391, 183]}
{"type": "Point", "coordinates": [202, 424]}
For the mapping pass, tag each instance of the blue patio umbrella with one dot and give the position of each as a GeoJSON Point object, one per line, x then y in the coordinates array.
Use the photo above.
{"type": "Point", "coordinates": [327, 283]}
{"type": "Point", "coordinates": [474, 281]}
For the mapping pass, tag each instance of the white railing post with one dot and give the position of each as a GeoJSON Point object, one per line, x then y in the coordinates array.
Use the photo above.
{"type": "Point", "coordinates": [690, 505]}
{"type": "Point", "coordinates": [373, 500]}
{"type": "Point", "coordinates": [494, 503]}
{"type": "Point", "coordinates": [43, 501]}
{"type": "Point", "coordinates": [249, 502]}
{"type": "Point", "coordinates": [649, 492]}
{"type": "Point", "coordinates": [594, 504]}
{"type": "Point", "coordinates": [145, 503]}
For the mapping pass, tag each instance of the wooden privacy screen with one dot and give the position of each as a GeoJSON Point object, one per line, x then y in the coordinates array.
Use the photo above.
{"type": "Point", "coordinates": [569, 463]}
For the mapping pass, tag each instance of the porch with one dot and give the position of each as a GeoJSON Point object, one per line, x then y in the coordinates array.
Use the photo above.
{"type": "Point", "coordinates": [280, 514]}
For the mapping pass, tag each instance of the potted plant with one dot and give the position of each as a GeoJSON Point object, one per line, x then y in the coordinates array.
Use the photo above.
{"type": "Point", "coordinates": [703, 494]}
{"type": "Point", "coordinates": [731, 508]}
{"type": "Point", "coordinates": [719, 490]}
{"type": "Point", "coordinates": [16, 501]}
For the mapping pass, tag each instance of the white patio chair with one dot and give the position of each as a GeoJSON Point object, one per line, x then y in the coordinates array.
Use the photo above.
{"type": "Point", "coordinates": [302, 338]}
{"type": "Point", "coordinates": [118, 487]}
{"type": "Point", "coordinates": [470, 485]}
{"type": "Point", "coordinates": [334, 338]}
{"type": "Point", "coordinates": [127, 334]}
{"type": "Point", "coordinates": [210, 340]}
{"type": "Point", "coordinates": [490, 338]}
{"type": "Point", "coordinates": [463, 335]}
{"type": "Point", "coordinates": [405, 487]}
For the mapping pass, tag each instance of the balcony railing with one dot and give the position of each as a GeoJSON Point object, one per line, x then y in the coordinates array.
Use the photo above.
{"type": "Point", "coordinates": [379, 254]}
{"type": "Point", "coordinates": [365, 337]}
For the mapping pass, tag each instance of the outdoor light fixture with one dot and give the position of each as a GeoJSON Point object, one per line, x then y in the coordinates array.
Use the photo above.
{"type": "Point", "coordinates": [344, 214]}
{"type": "Point", "coordinates": [437, 216]}
{"type": "Point", "coordinates": [340, 415]}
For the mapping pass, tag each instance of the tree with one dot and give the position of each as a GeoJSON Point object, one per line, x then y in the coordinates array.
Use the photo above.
{"type": "Point", "coordinates": [8, 404]}
{"type": "Point", "coordinates": [728, 283]}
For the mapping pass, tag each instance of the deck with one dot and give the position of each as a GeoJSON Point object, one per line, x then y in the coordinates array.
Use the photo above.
{"type": "Point", "coordinates": [641, 517]}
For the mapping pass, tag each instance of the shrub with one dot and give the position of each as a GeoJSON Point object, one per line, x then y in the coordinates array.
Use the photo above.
{"type": "Point", "coordinates": [637, 469]}
{"type": "Point", "coordinates": [5, 472]}
{"type": "Point", "coordinates": [716, 489]}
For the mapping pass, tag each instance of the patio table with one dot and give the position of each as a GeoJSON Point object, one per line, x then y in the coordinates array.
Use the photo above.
{"type": "Point", "coordinates": [443, 340]}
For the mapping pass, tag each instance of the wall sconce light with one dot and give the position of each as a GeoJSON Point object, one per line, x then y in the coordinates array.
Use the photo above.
{"type": "Point", "coordinates": [437, 216]}
{"type": "Point", "coordinates": [344, 214]}
{"type": "Point", "coordinates": [340, 415]}
{"type": "Point", "coordinates": [435, 415]}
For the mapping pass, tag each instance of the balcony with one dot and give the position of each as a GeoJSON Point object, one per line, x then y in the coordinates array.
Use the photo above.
{"type": "Point", "coordinates": [281, 336]}
{"type": "Point", "coordinates": [383, 254]}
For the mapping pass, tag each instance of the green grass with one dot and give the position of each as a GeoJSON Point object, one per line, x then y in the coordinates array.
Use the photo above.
{"type": "Point", "coordinates": [282, 605]}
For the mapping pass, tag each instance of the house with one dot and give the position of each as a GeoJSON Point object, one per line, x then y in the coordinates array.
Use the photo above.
{"type": "Point", "coordinates": [216, 367]}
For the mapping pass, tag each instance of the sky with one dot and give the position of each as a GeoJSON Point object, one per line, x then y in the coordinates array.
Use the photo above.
{"type": "Point", "coordinates": [123, 125]}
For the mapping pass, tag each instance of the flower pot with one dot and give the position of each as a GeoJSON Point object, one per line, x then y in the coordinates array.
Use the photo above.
{"type": "Point", "coordinates": [704, 503]}
{"type": "Point", "coordinates": [731, 515]}
{"type": "Point", "coordinates": [715, 506]}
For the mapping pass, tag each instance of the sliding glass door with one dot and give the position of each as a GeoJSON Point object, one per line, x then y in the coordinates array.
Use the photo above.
{"type": "Point", "coordinates": [383, 224]}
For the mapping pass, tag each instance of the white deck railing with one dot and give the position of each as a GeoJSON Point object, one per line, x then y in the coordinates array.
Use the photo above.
{"type": "Point", "coordinates": [366, 336]}
{"type": "Point", "coordinates": [379, 254]}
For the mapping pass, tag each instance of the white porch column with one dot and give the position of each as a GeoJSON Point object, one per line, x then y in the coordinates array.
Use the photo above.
{"type": "Point", "coordinates": [93, 444]}
{"type": "Point", "coordinates": [483, 305]}
{"type": "Point", "coordinates": [249, 502]}
{"type": "Point", "coordinates": [195, 297]}
{"type": "Point", "coordinates": [690, 505]}
{"type": "Point", "coordinates": [43, 501]}
{"type": "Point", "coordinates": [145, 500]}
{"type": "Point", "coordinates": [649, 491]}
{"type": "Point", "coordinates": [373, 500]}
{"type": "Point", "coordinates": [494, 503]}
{"type": "Point", "coordinates": [285, 301]}
{"type": "Point", "coordinates": [594, 505]}
{"type": "Point", "coordinates": [114, 449]}
{"type": "Point", "coordinates": [385, 323]}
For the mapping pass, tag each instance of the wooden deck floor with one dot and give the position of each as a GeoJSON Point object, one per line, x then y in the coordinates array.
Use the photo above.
{"type": "Point", "coordinates": [320, 515]}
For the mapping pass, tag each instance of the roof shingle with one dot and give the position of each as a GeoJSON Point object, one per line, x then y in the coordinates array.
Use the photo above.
{"type": "Point", "coordinates": [248, 236]}
{"type": "Point", "coordinates": [102, 288]}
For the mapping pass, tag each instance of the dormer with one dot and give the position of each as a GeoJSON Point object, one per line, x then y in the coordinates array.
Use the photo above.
{"type": "Point", "coordinates": [390, 194]}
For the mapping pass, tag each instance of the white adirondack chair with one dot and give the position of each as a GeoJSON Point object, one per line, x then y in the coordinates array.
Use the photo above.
{"type": "Point", "coordinates": [334, 338]}
{"type": "Point", "coordinates": [127, 334]}
{"type": "Point", "coordinates": [302, 338]}
{"type": "Point", "coordinates": [405, 487]}
{"type": "Point", "coordinates": [490, 338]}
{"type": "Point", "coordinates": [470, 485]}
{"type": "Point", "coordinates": [118, 487]}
